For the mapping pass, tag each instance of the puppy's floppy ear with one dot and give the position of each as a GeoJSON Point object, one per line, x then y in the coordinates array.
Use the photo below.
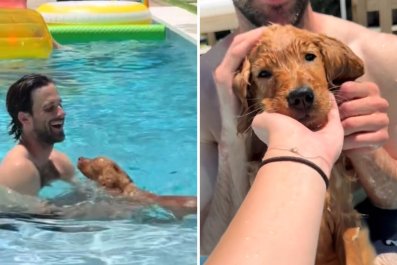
{"type": "Point", "coordinates": [241, 83]}
{"type": "Point", "coordinates": [341, 64]}
{"type": "Point", "coordinates": [108, 178]}
{"type": "Point", "coordinates": [124, 179]}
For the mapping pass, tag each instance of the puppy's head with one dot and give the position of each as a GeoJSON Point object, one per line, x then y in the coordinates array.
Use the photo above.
{"type": "Point", "coordinates": [104, 172]}
{"type": "Point", "coordinates": [291, 71]}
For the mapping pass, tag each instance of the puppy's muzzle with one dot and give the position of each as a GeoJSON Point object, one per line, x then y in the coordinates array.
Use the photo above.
{"type": "Point", "coordinates": [301, 99]}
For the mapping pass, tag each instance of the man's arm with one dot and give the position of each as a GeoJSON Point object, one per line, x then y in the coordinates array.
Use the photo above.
{"type": "Point", "coordinates": [371, 152]}
{"type": "Point", "coordinates": [65, 166]}
{"type": "Point", "coordinates": [377, 172]}
{"type": "Point", "coordinates": [208, 173]}
{"type": "Point", "coordinates": [209, 127]}
{"type": "Point", "coordinates": [229, 52]}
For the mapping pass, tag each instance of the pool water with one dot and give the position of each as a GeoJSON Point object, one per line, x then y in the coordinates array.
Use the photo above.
{"type": "Point", "coordinates": [134, 102]}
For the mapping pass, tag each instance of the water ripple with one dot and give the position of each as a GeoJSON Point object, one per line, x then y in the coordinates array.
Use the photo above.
{"type": "Point", "coordinates": [136, 103]}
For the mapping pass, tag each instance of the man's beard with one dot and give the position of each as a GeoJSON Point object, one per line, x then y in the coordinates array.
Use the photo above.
{"type": "Point", "coordinates": [46, 135]}
{"type": "Point", "coordinates": [259, 17]}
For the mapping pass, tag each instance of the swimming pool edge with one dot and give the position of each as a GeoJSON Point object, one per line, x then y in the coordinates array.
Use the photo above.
{"type": "Point", "coordinates": [177, 20]}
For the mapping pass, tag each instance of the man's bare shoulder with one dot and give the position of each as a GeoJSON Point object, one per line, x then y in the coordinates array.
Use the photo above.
{"type": "Point", "coordinates": [16, 169]}
{"type": "Point", "coordinates": [16, 157]}
{"type": "Point", "coordinates": [353, 34]}
{"type": "Point", "coordinates": [338, 27]}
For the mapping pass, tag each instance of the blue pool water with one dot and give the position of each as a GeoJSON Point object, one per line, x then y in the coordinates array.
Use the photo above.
{"type": "Point", "coordinates": [134, 102]}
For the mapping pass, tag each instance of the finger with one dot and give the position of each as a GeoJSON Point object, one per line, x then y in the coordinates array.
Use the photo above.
{"type": "Point", "coordinates": [371, 140]}
{"type": "Point", "coordinates": [267, 123]}
{"type": "Point", "coordinates": [262, 120]}
{"type": "Point", "coordinates": [276, 121]}
{"type": "Point", "coordinates": [260, 126]}
{"type": "Point", "coordinates": [367, 123]}
{"type": "Point", "coordinates": [240, 47]}
{"type": "Point", "coordinates": [352, 90]}
{"type": "Point", "coordinates": [363, 106]}
{"type": "Point", "coordinates": [248, 35]}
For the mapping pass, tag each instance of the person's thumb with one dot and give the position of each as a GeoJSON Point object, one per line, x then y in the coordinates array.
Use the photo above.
{"type": "Point", "coordinates": [260, 126]}
{"type": "Point", "coordinates": [267, 123]}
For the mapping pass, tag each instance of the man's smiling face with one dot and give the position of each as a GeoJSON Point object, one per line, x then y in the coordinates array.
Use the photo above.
{"type": "Point", "coordinates": [48, 115]}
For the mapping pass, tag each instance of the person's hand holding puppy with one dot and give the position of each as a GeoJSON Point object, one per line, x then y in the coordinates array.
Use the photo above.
{"type": "Point", "coordinates": [287, 136]}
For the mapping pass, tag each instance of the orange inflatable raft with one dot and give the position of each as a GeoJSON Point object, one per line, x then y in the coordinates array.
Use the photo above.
{"type": "Point", "coordinates": [23, 34]}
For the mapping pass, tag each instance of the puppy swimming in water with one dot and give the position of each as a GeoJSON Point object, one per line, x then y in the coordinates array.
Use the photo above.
{"type": "Point", "coordinates": [115, 181]}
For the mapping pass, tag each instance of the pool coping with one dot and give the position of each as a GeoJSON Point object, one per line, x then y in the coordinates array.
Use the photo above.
{"type": "Point", "coordinates": [179, 20]}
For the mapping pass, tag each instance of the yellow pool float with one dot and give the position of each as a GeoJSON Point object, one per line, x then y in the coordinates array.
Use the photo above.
{"type": "Point", "coordinates": [95, 12]}
{"type": "Point", "coordinates": [23, 34]}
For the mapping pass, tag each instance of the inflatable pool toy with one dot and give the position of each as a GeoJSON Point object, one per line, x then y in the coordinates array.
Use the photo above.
{"type": "Point", "coordinates": [13, 4]}
{"type": "Point", "coordinates": [68, 34]}
{"type": "Point", "coordinates": [84, 21]}
{"type": "Point", "coordinates": [23, 34]}
{"type": "Point", "coordinates": [95, 12]}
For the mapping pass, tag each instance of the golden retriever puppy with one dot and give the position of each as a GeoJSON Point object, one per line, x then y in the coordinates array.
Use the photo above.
{"type": "Point", "coordinates": [114, 180]}
{"type": "Point", "coordinates": [290, 71]}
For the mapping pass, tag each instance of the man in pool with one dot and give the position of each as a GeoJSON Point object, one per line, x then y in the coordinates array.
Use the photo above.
{"type": "Point", "coordinates": [369, 142]}
{"type": "Point", "coordinates": [37, 119]}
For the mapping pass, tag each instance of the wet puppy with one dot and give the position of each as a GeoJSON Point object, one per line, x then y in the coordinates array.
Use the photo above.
{"type": "Point", "coordinates": [290, 71]}
{"type": "Point", "coordinates": [114, 180]}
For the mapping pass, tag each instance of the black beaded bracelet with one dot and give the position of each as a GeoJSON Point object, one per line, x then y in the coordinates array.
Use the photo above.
{"type": "Point", "coordinates": [299, 160]}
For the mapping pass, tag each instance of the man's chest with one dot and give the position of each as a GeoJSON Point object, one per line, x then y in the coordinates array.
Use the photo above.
{"type": "Point", "coordinates": [48, 173]}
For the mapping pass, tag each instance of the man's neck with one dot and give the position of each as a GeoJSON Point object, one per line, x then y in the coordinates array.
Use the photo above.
{"type": "Point", "coordinates": [40, 152]}
{"type": "Point", "coordinates": [308, 21]}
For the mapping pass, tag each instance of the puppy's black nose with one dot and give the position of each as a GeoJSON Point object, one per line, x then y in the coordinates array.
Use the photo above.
{"type": "Point", "coordinates": [301, 98]}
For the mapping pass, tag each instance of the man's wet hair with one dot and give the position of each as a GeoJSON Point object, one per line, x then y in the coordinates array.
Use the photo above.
{"type": "Point", "coordinates": [19, 98]}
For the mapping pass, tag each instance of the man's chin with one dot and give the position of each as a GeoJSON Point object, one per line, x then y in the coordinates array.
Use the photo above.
{"type": "Point", "coordinates": [54, 139]}
{"type": "Point", "coordinates": [59, 139]}
{"type": "Point", "coordinates": [57, 136]}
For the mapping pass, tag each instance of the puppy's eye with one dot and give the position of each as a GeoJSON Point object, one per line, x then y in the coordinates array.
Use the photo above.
{"type": "Point", "coordinates": [265, 74]}
{"type": "Point", "coordinates": [310, 57]}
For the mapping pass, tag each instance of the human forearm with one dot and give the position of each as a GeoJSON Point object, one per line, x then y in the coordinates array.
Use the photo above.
{"type": "Point", "coordinates": [208, 174]}
{"type": "Point", "coordinates": [377, 173]}
{"type": "Point", "coordinates": [258, 236]}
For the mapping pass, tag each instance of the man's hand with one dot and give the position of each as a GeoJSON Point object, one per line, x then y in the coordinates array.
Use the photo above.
{"type": "Point", "coordinates": [238, 50]}
{"type": "Point", "coordinates": [364, 117]}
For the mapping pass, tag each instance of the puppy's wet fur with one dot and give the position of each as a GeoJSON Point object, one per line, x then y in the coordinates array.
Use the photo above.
{"type": "Point", "coordinates": [107, 174]}
{"type": "Point", "coordinates": [290, 71]}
